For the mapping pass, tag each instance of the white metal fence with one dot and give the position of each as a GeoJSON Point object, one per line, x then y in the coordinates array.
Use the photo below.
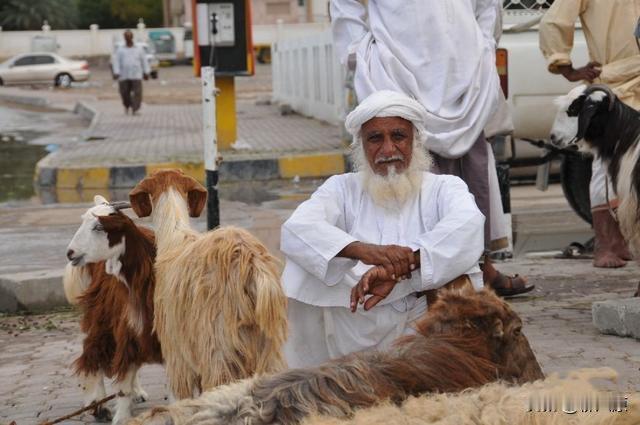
{"type": "Point", "coordinates": [308, 76]}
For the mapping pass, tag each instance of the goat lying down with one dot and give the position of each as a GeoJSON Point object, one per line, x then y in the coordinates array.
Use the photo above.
{"type": "Point", "coordinates": [220, 310]}
{"type": "Point", "coordinates": [502, 404]}
{"type": "Point", "coordinates": [594, 118]}
{"type": "Point", "coordinates": [112, 281]}
{"type": "Point", "coordinates": [465, 340]}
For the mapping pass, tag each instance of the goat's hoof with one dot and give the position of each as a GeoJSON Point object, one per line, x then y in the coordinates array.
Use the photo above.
{"type": "Point", "coordinates": [102, 414]}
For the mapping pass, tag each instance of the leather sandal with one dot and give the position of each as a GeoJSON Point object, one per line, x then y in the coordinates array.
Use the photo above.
{"type": "Point", "coordinates": [509, 286]}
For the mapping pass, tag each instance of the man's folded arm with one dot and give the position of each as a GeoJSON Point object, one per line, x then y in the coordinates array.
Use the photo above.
{"type": "Point", "coordinates": [456, 242]}
{"type": "Point", "coordinates": [313, 236]}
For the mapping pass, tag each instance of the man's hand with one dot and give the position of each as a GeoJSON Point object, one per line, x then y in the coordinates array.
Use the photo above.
{"type": "Point", "coordinates": [589, 72]}
{"type": "Point", "coordinates": [398, 261]}
{"type": "Point", "coordinates": [375, 282]}
{"type": "Point", "coordinates": [145, 76]}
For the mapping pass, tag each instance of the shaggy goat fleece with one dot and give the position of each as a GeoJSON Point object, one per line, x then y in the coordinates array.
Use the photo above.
{"type": "Point", "coordinates": [220, 310]}
{"type": "Point", "coordinates": [75, 281]}
{"type": "Point", "coordinates": [500, 404]}
{"type": "Point", "coordinates": [465, 340]}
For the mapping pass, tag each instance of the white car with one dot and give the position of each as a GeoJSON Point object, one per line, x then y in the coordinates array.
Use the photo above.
{"type": "Point", "coordinates": [32, 68]}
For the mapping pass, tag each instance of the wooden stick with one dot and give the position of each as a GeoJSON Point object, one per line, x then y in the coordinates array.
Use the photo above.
{"type": "Point", "coordinates": [77, 412]}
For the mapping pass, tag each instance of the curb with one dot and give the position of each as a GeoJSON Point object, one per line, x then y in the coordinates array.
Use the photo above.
{"type": "Point", "coordinates": [25, 100]}
{"type": "Point", "coordinates": [617, 317]}
{"type": "Point", "coordinates": [32, 291]}
{"type": "Point", "coordinates": [237, 167]}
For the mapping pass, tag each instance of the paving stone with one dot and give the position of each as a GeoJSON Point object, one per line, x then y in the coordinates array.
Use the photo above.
{"type": "Point", "coordinates": [618, 317]}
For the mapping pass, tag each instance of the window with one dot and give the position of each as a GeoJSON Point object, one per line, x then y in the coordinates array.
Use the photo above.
{"type": "Point", "coordinates": [43, 60]}
{"type": "Point", "coordinates": [24, 61]}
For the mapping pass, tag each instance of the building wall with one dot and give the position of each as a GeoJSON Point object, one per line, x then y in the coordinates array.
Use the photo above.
{"type": "Point", "coordinates": [270, 11]}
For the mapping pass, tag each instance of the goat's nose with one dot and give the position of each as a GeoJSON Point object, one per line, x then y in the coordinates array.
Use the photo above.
{"type": "Point", "coordinates": [70, 254]}
{"type": "Point", "coordinates": [553, 138]}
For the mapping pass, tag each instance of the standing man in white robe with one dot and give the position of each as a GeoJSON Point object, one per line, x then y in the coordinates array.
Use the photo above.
{"type": "Point", "coordinates": [441, 53]}
{"type": "Point", "coordinates": [407, 229]}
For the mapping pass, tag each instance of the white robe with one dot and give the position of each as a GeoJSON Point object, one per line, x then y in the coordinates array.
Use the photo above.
{"type": "Point", "coordinates": [440, 52]}
{"type": "Point", "coordinates": [442, 222]}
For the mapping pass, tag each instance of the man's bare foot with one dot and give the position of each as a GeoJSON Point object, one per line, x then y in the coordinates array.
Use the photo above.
{"type": "Point", "coordinates": [610, 249]}
{"type": "Point", "coordinates": [622, 251]}
{"type": "Point", "coordinates": [607, 259]}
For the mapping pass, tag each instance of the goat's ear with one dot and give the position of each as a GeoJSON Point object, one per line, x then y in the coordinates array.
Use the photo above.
{"type": "Point", "coordinates": [140, 202]}
{"type": "Point", "coordinates": [587, 112]}
{"type": "Point", "coordinates": [110, 223]}
{"type": "Point", "coordinates": [196, 199]}
{"type": "Point", "coordinates": [100, 200]}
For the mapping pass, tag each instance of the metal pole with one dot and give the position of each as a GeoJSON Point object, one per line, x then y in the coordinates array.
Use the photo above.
{"type": "Point", "coordinates": [210, 145]}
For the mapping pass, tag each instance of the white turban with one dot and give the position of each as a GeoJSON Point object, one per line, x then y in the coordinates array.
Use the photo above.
{"type": "Point", "coordinates": [387, 103]}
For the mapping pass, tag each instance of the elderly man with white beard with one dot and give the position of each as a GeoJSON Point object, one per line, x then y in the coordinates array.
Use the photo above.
{"type": "Point", "coordinates": [379, 236]}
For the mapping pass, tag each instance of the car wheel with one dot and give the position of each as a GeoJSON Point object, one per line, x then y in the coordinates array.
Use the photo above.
{"type": "Point", "coordinates": [63, 80]}
{"type": "Point", "coordinates": [154, 74]}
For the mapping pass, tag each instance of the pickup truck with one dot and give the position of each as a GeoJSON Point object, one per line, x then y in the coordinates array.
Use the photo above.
{"type": "Point", "coordinates": [530, 89]}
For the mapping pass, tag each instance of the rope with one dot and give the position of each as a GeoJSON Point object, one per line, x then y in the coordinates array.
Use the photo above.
{"type": "Point", "coordinates": [84, 409]}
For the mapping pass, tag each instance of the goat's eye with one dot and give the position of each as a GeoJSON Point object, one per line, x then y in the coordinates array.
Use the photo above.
{"type": "Point", "coordinates": [517, 331]}
{"type": "Point", "coordinates": [98, 228]}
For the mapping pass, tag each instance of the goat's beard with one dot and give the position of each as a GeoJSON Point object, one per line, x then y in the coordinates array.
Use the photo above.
{"type": "Point", "coordinates": [394, 190]}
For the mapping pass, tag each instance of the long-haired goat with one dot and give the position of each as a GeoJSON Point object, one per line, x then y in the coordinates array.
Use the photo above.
{"type": "Point", "coordinates": [465, 340]}
{"type": "Point", "coordinates": [117, 305]}
{"type": "Point", "coordinates": [220, 308]}
{"type": "Point", "coordinates": [611, 129]}
{"type": "Point", "coordinates": [552, 401]}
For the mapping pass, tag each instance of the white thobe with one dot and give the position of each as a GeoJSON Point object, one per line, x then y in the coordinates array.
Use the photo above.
{"type": "Point", "coordinates": [442, 222]}
{"type": "Point", "coordinates": [442, 53]}
{"type": "Point", "coordinates": [130, 63]}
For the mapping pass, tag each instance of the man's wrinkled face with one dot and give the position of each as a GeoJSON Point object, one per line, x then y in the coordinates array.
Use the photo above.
{"type": "Point", "coordinates": [387, 142]}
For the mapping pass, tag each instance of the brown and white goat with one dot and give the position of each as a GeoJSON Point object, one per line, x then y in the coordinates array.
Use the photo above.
{"type": "Point", "coordinates": [220, 310]}
{"type": "Point", "coordinates": [117, 305]}
{"type": "Point", "coordinates": [465, 340]}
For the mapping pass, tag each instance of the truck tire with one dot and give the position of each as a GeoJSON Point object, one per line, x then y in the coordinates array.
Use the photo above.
{"type": "Point", "coordinates": [575, 173]}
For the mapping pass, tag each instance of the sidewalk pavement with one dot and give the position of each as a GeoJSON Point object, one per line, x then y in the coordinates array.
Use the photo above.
{"type": "Point", "coordinates": [37, 382]}
{"type": "Point", "coordinates": [118, 150]}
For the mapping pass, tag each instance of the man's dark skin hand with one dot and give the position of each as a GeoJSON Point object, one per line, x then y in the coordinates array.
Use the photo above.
{"type": "Point", "coordinates": [398, 261]}
{"type": "Point", "coordinates": [589, 72]}
{"type": "Point", "coordinates": [377, 283]}
{"type": "Point", "coordinates": [145, 76]}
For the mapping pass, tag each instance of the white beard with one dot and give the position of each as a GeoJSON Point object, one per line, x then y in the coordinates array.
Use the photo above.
{"type": "Point", "coordinates": [394, 190]}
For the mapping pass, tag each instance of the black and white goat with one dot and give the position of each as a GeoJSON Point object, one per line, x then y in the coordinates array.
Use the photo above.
{"type": "Point", "coordinates": [595, 119]}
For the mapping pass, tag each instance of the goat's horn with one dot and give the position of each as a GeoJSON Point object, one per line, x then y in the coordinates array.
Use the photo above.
{"type": "Point", "coordinates": [602, 88]}
{"type": "Point", "coordinates": [120, 205]}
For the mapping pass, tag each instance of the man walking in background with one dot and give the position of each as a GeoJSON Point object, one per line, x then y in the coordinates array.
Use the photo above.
{"type": "Point", "coordinates": [130, 66]}
{"type": "Point", "coordinates": [610, 28]}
